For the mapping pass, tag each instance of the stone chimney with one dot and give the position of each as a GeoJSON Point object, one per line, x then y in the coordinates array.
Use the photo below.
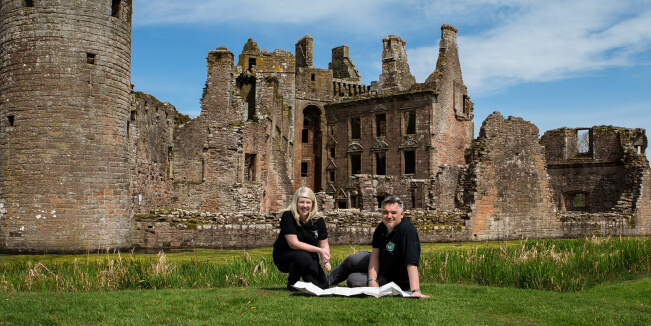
{"type": "Point", "coordinates": [395, 69]}
{"type": "Point", "coordinates": [305, 52]}
{"type": "Point", "coordinates": [342, 66]}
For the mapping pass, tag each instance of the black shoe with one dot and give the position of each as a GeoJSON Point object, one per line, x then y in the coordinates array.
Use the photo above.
{"type": "Point", "coordinates": [291, 288]}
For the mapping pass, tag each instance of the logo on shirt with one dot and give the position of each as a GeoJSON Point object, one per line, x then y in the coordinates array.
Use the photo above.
{"type": "Point", "coordinates": [391, 246]}
{"type": "Point", "coordinates": [316, 233]}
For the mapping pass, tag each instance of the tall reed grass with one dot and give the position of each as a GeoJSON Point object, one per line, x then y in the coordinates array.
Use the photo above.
{"type": "Point", "coordinates": [558, 265]}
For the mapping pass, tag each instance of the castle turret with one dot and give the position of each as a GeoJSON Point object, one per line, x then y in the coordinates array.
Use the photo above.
{"type": "Point", "coordinates": [395, 69]}
{"type": "Point", "coordinates": [64, 121]}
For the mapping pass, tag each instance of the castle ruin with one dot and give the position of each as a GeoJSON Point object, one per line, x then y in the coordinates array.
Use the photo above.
{"type": "Point", "coordinates": [89, 164]}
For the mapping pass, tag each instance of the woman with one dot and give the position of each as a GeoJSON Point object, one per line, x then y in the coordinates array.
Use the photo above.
{"type": "Point", "coordinates": [303, 238]}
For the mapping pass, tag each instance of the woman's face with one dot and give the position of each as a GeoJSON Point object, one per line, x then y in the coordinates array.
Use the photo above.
{"type": "Point", "coordinates": [303, 206]}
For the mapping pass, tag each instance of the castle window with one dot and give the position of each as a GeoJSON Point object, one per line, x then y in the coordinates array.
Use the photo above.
{"type": "Point", "coordinates": [380, 125]}
{"type": "Point", "coordinates": [355, 164]}
{"type": "Point", "coordinates": [115, 8]}
{"type": "Point", "coordinates": [410, 122]}
{"type": "Point", "coordinates": [380, 164]}
{"type": "Point", "coordinates": [133, 115]}
{"type": "Point", "coordinates": [583, 141]}
{"type": "Point", "coordinates": [252, 63]}
{"type": "Point", "coordinates": [355, 128]}
{"type": "Point", "coordinates": [90, 58]}
{"type": "Point", "coordinates": [332, 176]}
{"type": "Point", "coordinates": [410, 162]}
{"type": "Point", "coordinates": [313, 78]}
{"type": "Point", "coordinates": [639, 150]}
{"type": "Point", "coordinates": [249, 167]}
{"type": "Point", "coordinates": [304, 169]}
{"type": "Point", "coordinates": [305, 136]}
{"type": "Point", "coordinates": [331, 152]}
{"type": "Point", "coordinates": [331, 130]}
{"type": "Point", "coordinates": [577, 201]}
{"type": "Point", "coordinates": [29, 3]}
{"type": "Point", "coordinates": [10, 119]}
{"type": "Point", "coordinates": [380, 199]}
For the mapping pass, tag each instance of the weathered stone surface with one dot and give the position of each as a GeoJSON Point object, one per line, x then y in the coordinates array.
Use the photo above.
{"type": "Point", "coordinates": [87, 165]}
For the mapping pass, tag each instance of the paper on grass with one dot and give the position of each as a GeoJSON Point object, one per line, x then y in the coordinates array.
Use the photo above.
{"type": "Point", "coordinates": [390, 289]}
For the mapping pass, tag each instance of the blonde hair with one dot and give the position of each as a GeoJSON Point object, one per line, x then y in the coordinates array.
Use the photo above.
{"type": "Point", "coordinates": [304, 192]}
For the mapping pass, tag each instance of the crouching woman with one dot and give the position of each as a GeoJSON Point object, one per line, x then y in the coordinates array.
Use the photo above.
{"type": "Point", "coordinates": [302, 242]}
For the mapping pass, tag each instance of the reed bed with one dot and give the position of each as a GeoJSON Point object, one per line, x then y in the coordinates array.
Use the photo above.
{"type": "Point", "coordinates": [557, 265]}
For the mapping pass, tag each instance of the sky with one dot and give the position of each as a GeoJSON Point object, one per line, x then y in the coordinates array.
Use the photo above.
{"type": "Point", "coordinates": [555, 63]}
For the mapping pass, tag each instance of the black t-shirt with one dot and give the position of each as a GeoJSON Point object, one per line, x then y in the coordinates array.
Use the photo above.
{"type": "Point", "coordinates": [309, 233]}
{"type": "Point", "coordinates": [397, 250]}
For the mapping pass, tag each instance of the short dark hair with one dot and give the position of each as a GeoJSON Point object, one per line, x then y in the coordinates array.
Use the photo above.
{"type": "Point", "coordinates": [393, 200]}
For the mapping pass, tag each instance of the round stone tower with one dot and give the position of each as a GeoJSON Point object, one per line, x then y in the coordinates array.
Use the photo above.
{"type": "Point", "coordinates": [65, 82]}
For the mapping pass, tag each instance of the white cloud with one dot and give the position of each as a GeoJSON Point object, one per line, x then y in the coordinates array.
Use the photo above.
{"type": "Point", "coordinates": [554, 40]}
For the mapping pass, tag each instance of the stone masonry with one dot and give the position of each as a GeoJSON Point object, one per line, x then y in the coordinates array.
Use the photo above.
{"type": "Point", "coordinates": [89, 164]}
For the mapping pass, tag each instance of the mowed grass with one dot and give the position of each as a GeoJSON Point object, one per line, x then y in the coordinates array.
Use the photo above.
{"type": "Point", "coordinates": [623, 303]}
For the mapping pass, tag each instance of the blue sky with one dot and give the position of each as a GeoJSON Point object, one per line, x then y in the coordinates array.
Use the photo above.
{"type": "Point", "coordinates": [555, 63]}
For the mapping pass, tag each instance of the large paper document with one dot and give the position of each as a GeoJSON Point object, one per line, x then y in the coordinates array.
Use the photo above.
{"type": "Point", "coordinates": [390, 289]}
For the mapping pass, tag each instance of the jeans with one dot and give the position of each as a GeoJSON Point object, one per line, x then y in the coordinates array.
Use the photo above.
{"type": "Point", "coordinates": [354, 270]}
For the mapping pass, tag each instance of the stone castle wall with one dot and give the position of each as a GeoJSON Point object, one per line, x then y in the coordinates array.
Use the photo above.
{"type": "Point", "coordinates": [64, 109]}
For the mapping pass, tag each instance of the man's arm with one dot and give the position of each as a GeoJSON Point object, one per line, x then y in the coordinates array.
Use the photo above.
{"type": "Point", "coordinates": [414, 281]}
{"type": "Point", "coordinates": [374, 267]}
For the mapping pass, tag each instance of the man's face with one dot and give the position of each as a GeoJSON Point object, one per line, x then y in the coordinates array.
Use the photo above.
{"type": "Point", "coordinates": [391, 215]}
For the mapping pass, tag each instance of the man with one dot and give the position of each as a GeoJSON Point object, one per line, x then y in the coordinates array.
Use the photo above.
{"type": "Point", "coordinates": [395, 256]}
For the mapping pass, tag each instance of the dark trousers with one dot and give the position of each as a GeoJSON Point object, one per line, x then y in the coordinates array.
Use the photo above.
{"type": "Point", "coordinates": [300, 264]}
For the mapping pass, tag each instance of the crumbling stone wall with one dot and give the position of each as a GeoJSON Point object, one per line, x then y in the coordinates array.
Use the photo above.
{"type": "Point", "coordinates": [152, 126]}
{"type": "Point", "coordinates": [65, 105]}
{"type": "Point", "coordinates": [510, 197]}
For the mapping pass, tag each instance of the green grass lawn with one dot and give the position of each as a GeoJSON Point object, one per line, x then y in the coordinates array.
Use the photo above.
{"type": "Point", "coordinates": [624, 303]}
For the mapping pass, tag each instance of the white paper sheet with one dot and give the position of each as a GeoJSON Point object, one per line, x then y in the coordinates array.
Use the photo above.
{"type": "Point", "coordinates": [390, 289]}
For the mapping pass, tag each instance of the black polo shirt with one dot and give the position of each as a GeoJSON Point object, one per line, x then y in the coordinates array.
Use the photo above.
{"type": "Point", "coordinates": [397, 250]}
{"type": "Point", "coordinates": [309, 233]}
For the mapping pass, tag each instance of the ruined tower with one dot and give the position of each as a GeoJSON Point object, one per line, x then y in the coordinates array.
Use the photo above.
{"type": "Point", "coordinates": [65, 71]}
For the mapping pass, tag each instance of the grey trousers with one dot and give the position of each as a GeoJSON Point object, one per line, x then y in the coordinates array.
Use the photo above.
{"type": "Point", "coordinates": [354, 270]}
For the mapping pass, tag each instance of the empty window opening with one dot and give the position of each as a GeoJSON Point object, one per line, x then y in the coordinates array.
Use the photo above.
{"type": "Point", "coordinates": [579, 201]}
{"type": "Point", "coordinates": [380, 199]}
{"type": "Point", "coordinates": [29, 3]}
{"type": "Point", "coordinates": [355, 128]}
{"type": "Point", "coordinates": [128, 127]}
{"type": "Point", "coordinates": [410, 122]}
{"type": "Point", "coordinates": [133, 115]}
{"type": "Point", "coordinates": [332, 176]}
{"type": "Point", "coordinates": [341, 204]}
{"type": "Point", "coordinates": [380, 164]}
{"type": "Point", "coordinates": [355, 164]}
{"type": "Point", "coordinates": [115, 8]}
{"type": "Point", "coordinates": [90, 58]}
{"type": "Point", "coordinates": [583, 141]}
{"type": "Point", "coordinates": [313, 78]}
{"type": "Point", "coordinates": [303, 169]}
{"type": "Point", "coordinates": [10, 119]}
{"type": "Point", "coordinates": [249, 167]}
{"type": "Point", "coordinates": [305, 136]}
{"type": "Point", "coordinates": [332, 152]}
{"type": "Point", "coordinates": [639, 150]}
{"type": "Point", "coordinates": [380, 125]}
{"type": "Point", "coordinates": [252, 63]}
{"type": "Point", "coordinates": [410, 162]}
